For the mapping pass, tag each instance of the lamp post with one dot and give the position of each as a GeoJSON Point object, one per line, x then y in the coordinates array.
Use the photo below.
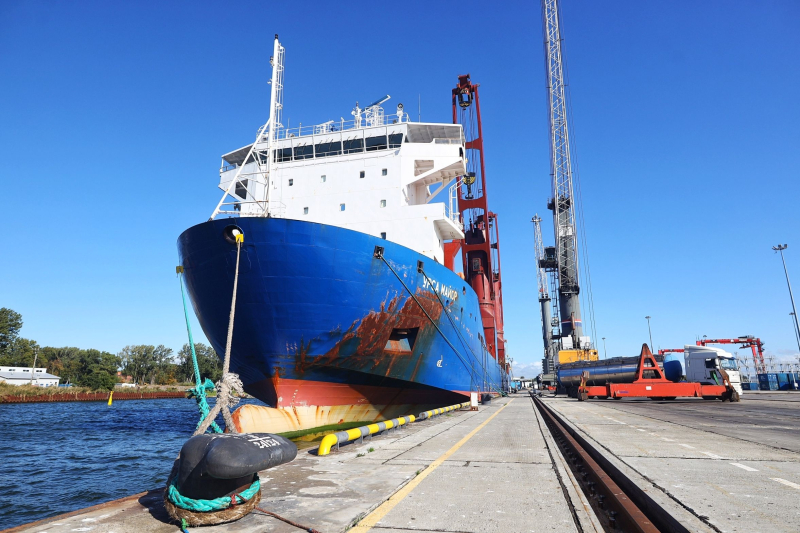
{"type": "Point", "coordinates": [780, 248]}
{"type": "Point", "coordinates": [605, 352]}
{"type": "Point", "coordinates": [35, 357]}
{"type": "Point", "coordinates": [650, 332]}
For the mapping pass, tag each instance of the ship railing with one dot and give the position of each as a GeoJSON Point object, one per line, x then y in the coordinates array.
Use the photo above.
{"type": "Point", "coordinates": [333, 126]}
{"type": "Point", "coordinates": [451, 207]}
{"type": "Point", "coordinates": [273, 209]}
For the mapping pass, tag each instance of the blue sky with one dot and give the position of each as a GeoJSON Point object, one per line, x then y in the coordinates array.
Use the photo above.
{"type": "Point", "coordinates": [113, 117]}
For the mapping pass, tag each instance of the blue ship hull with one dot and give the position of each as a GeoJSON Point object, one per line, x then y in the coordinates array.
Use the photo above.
{"type": "Point", "coordinates": [322, 323]}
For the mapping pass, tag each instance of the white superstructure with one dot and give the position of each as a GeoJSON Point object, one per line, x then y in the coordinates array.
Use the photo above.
{"type": "Point", "coordinates": [25, 375]}
{"type": "Point", "coordinates": [377, 174]}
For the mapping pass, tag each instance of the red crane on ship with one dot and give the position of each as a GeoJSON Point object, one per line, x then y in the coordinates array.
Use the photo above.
{"type": "Point", "coordinates": [480, 248]}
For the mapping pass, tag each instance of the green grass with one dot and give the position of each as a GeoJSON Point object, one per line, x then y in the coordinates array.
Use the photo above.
{"type": "Point", "coordinates": [323, 429]}
{"type": "Point", "coordinates": [28, 390]}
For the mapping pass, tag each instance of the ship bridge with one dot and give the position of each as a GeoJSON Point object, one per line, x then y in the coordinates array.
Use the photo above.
{"type": "Point", "coordinates": [386, 177]}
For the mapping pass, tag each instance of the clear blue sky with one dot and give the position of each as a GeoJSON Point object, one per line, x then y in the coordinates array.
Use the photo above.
{"type": "Point", "coordinates": [113, 116]}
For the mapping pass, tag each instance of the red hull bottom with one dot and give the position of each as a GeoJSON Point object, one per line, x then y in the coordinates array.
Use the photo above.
{"type": "Point", "coordinates": [314, 406]}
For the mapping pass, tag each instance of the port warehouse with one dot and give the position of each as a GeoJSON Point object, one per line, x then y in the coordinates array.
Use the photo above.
{"type": "Point", "coordinates": [19, 375]}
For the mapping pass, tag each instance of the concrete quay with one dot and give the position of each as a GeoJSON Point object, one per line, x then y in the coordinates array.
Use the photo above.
{"type": "Point", "coordinates": [724, 467]}
{"type": "Point", "coordinates": [492, 470]}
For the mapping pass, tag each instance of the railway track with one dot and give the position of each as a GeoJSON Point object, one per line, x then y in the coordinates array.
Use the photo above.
{"type": "Point", "coordinates": [618, 502]}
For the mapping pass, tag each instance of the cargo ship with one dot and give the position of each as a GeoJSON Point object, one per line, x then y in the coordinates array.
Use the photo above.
{"type": "Point", "coordinates": [350, 307]}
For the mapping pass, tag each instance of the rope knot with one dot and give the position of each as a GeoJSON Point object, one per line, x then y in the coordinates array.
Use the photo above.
{"type": "Point", "coordinates": [230, 383]}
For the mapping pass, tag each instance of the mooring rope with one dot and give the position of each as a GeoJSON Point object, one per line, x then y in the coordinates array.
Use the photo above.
{"type": "Point", "coordinates": [290, 522]}
{"type": "Point", "coordinates": [199, 389]}
{"type": "Point", "coordinates": [207, 506]}
{"type": "Point", "coordinates": [229, 382]}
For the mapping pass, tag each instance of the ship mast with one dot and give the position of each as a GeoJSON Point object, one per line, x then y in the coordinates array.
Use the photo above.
{"type": "Point", "coordinates": [253, 176]}
{"type": "Point", "coordinates": [563, 202]}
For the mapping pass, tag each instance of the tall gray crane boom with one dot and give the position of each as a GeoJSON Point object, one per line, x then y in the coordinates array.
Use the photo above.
{"type": "Point", "coordinates": [545, 263]}
{"type": "Point", "coordinates": [563, 201]}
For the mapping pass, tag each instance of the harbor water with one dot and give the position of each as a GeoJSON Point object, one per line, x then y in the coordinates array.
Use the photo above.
{"type": "Point", "coordinates": [59, 457]}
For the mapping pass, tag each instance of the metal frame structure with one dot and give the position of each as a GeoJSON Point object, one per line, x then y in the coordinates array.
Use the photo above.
{"type": "Point", "coordinates": [258, 154]}
{"type": "Point", "coordinates": [563, 202]}
{"type": "Point", "coordinates": [481, 247]}
{"type": "Point", "coordinates": [744, 341]}
{"type": "Point", "coordinates": [548, 300]}
{"type": "Point", "coordinates": [651, 382]}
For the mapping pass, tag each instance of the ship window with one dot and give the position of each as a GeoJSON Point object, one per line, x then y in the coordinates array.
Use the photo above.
{"type": "Point", "coordinates": [305, 210]}
{"type": "Point", "coordinates": [402, 340]}
{"type": "Point", "coordinates": [384, 172]}
{"type": "Point", "coordinates": [395, 140]}
{"type": "Point", "coordinates": [362, 174]}
{"type": "Point", "coordinates": [352, 146]}
{"type": "Point", "coordinates": [376, 143]}
{"type": "Point", "coordinates": [241, 189]}
{"type": "Point", "coordinates": [291, 182]}
{"type": "Point", "coordinates": [328, 149]}
{"type": "Point", "coordinates": [383, 203]}
{"type": "Point", "coordinates": [383, 235]}
{"type": "Point", "coordinates": [341, 207]}
{"type": "Point", "coordinates": [322, 178]}
{"type": "Point", "coordinates": [303, 152]}
{"type": "Point", "coordinates": [283, 154]}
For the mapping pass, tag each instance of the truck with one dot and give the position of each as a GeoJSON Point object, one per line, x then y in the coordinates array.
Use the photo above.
{"type": "Point", "coordinates": [704, 364]}
{"type": "Point", "coordinates": [710, 374]}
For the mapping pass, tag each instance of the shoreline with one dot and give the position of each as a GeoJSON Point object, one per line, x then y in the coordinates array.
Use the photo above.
{"type": "Point", "coordinates": [89, 397]}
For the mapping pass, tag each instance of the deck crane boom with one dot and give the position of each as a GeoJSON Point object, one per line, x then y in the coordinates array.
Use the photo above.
{"type": "Point", "coordinates": [480, 248]}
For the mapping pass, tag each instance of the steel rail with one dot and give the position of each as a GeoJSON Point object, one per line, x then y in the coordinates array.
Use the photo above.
{"type": "Point", "coordinates": [618, 502]}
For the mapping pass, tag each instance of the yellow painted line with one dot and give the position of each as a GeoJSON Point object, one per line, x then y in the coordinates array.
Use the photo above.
{"type": "Point", "coordinates": [369, 521]}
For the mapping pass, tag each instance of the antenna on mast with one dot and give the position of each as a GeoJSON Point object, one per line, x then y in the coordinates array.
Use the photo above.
{"type": "Point", "coordinates": [250, 187]}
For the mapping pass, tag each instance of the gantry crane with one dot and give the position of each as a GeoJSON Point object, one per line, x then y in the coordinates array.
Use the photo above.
{"type": "Point", "coordinates": [744, 341]}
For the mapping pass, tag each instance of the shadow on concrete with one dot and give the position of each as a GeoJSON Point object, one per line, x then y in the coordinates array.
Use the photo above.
{"type": "Point", "coordinates": [153, 501]}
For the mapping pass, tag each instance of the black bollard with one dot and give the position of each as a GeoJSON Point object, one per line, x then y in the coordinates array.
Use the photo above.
{"type": "Point", "coordinates": [215, 465]}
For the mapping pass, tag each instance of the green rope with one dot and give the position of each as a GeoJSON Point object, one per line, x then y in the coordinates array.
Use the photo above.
{"type": "Point", "coordinates": [198, 392]}
{"type": "Point", "coordinates": [205, 506]}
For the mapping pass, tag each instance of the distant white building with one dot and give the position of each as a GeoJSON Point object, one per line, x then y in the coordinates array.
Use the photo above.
{"type": "Point", "coordinates": [22, 375]}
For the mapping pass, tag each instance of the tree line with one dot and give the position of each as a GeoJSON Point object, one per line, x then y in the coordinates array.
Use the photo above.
{"type": "Point", "coordinates": [145, 363]}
